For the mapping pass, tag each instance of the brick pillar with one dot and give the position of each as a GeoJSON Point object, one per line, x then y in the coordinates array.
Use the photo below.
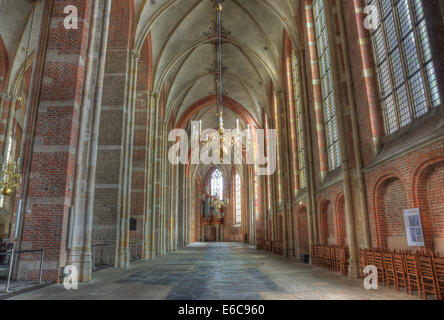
{"type": "Point", "coordinates": [279, 177]}
{"type": "Point", "coordinates": [80, 254]}
{"type": "Point", "coordinates": [286, 181]}
{"type": "Point", "coordinates": [371, 85]}
{"type": "Point", "coordinates": [114, 154]}
{"type": "Point", "coordinates": [292, 140]}
{"type": "Point", "coordinates": [308, 142]}
{"type": "Point", "coordinates": [149, 214]}
{"type": "Point", "coordinates": [259, 211]}
{"type": "Point", "coordinates": [139, 168]}
{"type": "Point", "coordinates": [56, 135]}
{"type": "Point", "coordinates": [317, 89]}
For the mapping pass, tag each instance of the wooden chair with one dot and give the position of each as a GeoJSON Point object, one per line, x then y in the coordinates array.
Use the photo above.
{"type": "Point", "coordinates": [370, 257]}
{"type": "Point", "coordinates": [389, 269]}
{"type": "Point", "coordinates": [379, 263]}
{"type": "Point", "coordinates": [328, 258]}
{"type": "Point", "coordinates": [325, 254]}
{"type": "Point", "coordinates": [400, 272]}
{"type": "Point", "coordinates": [321, 256]}
{"type": "Point", "coordinates": [427, 276]}
{"type": "Point", "coordinates": [333, 262]}
{"type": "Point", "coordinates": [362, 262]}
{"type": "Point", "coordinates": [412, 272]}
{"type": "Point", "coordinates": [341, 258]}
{"type": "Point", "coordinates": [438, 267]}
{"type": "Point", "coordinates": [425, 253]}
{"type": "Point", "coordinates": [313, 255]}
{"type": "Point", "coordinates": [318, 255]}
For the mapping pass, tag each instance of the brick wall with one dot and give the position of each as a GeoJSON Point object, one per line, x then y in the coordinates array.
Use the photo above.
{"type": "Point", "coordinates": [406, 156]}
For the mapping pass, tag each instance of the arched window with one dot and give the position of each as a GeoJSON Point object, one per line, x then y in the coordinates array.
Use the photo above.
{"type": "Point", "coordinates": [217, 184]}
{"type": "Point", "coordinates": [404, 62]}
{"type": "Point", "coordinates": [334, 156]}
{"type": "Point", "coordinates": [238, 198]}
{"type": "Point", "coordinates": [299, 123]}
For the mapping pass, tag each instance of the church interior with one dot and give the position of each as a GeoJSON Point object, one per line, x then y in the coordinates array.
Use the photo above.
{"type": "Point", "coordinates": [347, 96]}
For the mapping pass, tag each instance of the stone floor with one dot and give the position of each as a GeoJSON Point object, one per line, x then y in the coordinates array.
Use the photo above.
{"type": "Point", "coordinates": [218, 271]}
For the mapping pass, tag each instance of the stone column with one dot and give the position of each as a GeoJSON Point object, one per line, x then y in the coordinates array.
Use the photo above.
{"type": "Point", "coordinates": [155, 183]}
{"type": "Point", "coordinates": [286, 175]}
{"type": "Point", "coordinates": [204, 229]}
{"type": "Point", "coordinates": [162, 185]}
{"type": "Point", "coordinates": [362, 203]}
{"type": "Point", "coordinates": [80, 254]}
{"type": "Point", "coordinates": [176, 208]}
{"type": "Point", "coordinates": [126, 178]}
{"type": "Point", "coordinates": [149, 158]}
{"type": "Point", "coordinates": [308, 141]}
{"type": "Point", "coordinates": [26, 148]}
{"type": "Point", "coordinates": [291, 119]}
{"type": "Point", "coordinates": [341, 113]}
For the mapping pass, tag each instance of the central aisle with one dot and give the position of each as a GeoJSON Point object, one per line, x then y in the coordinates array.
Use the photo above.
{"type": "Point", "coordinates": [217, 271]}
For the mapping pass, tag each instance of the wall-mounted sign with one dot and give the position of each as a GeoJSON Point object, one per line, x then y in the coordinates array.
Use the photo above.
{"type": "Point", "coordinates": [413, 228]}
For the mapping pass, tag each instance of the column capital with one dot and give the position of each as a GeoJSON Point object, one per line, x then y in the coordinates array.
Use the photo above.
{"type": "Point", "coordinates": [135, 54]}
{"type": "Point", "coordinates": [280, 92]}
{"type": "Point", "coordinates": [5, 96]}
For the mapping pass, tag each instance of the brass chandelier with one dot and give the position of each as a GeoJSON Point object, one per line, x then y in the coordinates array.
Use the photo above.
{"type": "Point", "coordinates": [224, 142]}
{"type": "Point", "coordinates": [10, 178]}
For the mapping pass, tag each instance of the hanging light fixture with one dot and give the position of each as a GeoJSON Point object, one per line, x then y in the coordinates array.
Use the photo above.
{"type": "Point", "coordinates": [224, 143]}
{"type": "Point", "coordinates": [10, 178]}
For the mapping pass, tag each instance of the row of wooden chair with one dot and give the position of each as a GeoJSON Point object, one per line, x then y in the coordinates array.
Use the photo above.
{"type": "Point", "coordinates": [334, 258]}
{"type": "Point", "coordinates": [420, 271]}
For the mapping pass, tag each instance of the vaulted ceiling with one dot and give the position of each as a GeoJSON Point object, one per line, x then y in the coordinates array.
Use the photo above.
{"type": "Point", "coordinates": [15, 23]}
{"type": "Point", "coordinates": [184, 49]}
{"type": "Point", "coordinates": [183, 34]}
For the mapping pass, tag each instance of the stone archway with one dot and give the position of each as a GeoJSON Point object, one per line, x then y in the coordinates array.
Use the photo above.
{"type": "Point", "coordinates": [303, 232]}
{"type": "Point", "coordinates": [3, 64]}
{"type": "Point", "coordinates": [327, 224]}
{"type": "Point", "coordinates": [428, 189]}
{"type": "Point", "coordinates": [341, 232]}
{"type": "Point", "coordinates": [391, 200]}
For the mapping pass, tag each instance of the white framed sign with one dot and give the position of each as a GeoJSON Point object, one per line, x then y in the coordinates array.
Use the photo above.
{"type": "Point", "coordinates": [413, 228]}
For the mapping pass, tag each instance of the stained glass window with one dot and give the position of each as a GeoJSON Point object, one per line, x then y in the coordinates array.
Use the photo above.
{"type": "Point", "coordinates": [217, 184]}
{"type": "Point", "coordinates": [404, 62]}
{"type": "Point", "coordinates": [238, 202]}
{"type": "Point", "coordinates": [299, 121]}
{"type": "Point", "coordinates": [334, 156]}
